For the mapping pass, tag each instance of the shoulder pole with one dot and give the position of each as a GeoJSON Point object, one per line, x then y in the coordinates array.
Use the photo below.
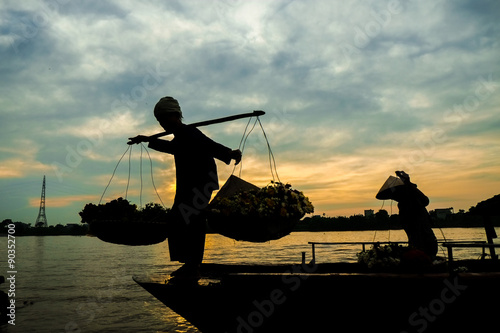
{"type": "Point", "coordinates": [256, 113]}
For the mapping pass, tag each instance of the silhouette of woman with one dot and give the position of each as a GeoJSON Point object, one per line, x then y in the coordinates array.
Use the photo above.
{"type": "Point", "coordinates": [413, 215]}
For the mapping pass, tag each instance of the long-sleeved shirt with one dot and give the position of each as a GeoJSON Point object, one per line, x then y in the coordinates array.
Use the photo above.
{"type": "Point", "coordinates": [194, 155]}
{"type": "Point", "coordinates": [415, 219]}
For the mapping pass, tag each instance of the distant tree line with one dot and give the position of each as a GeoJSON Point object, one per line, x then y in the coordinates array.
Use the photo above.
{"type": "Point", "coordinates": [25, 229]}
{"type": "Point", "coordinates": [475, 217]}
{"type": "Point", "coordinates": [487, 210]}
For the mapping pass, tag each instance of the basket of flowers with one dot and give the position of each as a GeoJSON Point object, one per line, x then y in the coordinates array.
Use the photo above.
{"type": "Point", "coordinates": [242, 211]}
{"type": "Point", "coordinates": [393, 257]}
{"type": "Point", "coordinates": [381, 257]}
{"type": "Point", "coordinates": [120, 222]}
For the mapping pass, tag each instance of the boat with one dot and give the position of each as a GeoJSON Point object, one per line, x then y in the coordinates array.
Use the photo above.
{"type": "Point", "coordinates": [450, 296]}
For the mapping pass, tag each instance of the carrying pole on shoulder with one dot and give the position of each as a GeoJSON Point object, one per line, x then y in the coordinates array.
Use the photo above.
{"type": "Point", "coordinates": [256, 113]}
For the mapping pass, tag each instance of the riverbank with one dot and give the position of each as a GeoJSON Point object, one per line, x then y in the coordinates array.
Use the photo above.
{"type": "Point", "coordinates": [308, 224]}
{"type": "Point", "coordinates": [23, 229]}
{"type": "Point", "coordinates": [378, 221]}
{"type": "Point", "coordinates": [386, 222]}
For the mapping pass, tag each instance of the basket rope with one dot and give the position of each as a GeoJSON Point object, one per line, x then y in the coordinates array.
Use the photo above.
{"type": "Point", "coordinates": [129, 150]}
{"type": "Point", "coordinates": [272, 161]}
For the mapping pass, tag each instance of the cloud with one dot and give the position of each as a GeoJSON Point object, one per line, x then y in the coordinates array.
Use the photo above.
{"type": "Point", "coordinates": [57, 202]}
{"type": "Point", "coordinates": [19, 159]}
{"type": "Point", "coordinates": [18, 168]}
{"type": "Point", "coordinates": [95, 128]}
{"type": "Point", "coordinates": [351, 90]}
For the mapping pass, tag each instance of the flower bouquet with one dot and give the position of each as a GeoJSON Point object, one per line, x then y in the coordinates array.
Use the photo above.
{"type": "Point", "coordinates": [395, 258]}
{"type": "Point", "coordinates": [257, 214]}
{"type": "Point", "coordinates": [378, 257]}
{"type": "Point", "coordinates": [120, 222]}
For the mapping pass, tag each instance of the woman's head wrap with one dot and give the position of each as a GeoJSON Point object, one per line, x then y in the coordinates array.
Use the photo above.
{"type": "Point", "coordinates": [167, 105]}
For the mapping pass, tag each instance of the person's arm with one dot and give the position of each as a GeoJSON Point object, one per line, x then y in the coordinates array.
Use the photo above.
{"type": "Point", "coordinates": [413, 191]}
{"type": "Point", "coordinates": [236, 156]}
{"type": "Point", "coordinates": [157, 144]}
{"type": "Point", "coordinates": [217, 150]}
{"type": "Point", "coordinates": [163, 146]}
{"type": "Point", "coordinates": [422, 199]}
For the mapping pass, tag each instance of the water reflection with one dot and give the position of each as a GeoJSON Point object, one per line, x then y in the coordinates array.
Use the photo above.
{"type": "Point", "coordinates": [39, 250]}
{"type": "Point", "coordinates": [172, 322]}
{"type": "Point", "coordinates": [69, 278]}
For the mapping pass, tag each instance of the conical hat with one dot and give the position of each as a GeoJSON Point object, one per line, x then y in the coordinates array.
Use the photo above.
{"type": "Point", "coordinates": [233, 186]}
{"type": "Point", "coordinates": [388, 188]}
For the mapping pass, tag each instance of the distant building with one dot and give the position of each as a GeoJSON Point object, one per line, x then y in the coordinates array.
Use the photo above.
{"type": "Point", "coordinates": [443, 213]}
{"type": "Point", "coordinates": [369, 212]}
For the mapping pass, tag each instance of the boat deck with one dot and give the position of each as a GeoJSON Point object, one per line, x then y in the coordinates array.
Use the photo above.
{"type": "Point", "coordinates": [311, 297]}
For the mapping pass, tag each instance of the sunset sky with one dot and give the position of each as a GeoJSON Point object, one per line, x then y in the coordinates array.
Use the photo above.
{"type": "Point", "coordinates": [352, 90]}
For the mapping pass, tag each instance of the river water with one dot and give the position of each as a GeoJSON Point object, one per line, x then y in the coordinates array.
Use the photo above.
{"type": "Point", "coordinates": [81, 284]}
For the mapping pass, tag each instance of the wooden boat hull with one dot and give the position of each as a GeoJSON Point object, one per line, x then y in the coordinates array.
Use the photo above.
{"type": "Point", "coordinates": [310, 298]}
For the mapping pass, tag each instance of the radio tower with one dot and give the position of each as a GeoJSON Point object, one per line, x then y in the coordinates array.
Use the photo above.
{"type": "Point", "coordinates": [41, 220]}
